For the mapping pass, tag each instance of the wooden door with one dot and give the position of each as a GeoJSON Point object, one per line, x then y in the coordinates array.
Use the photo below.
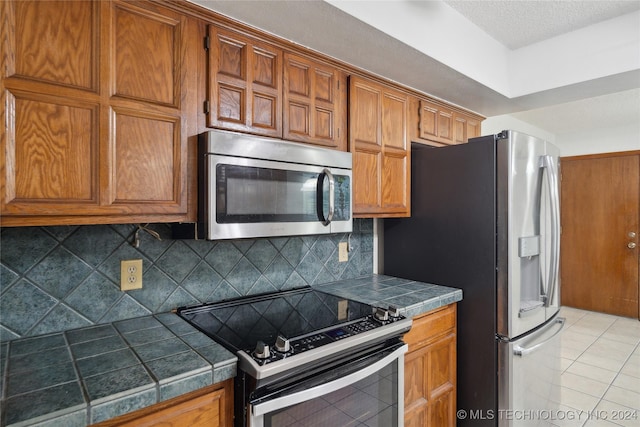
{"type": "Point", "coordinates": [599, 244]}
{"type": "Point", "coordinates": [315, 97]}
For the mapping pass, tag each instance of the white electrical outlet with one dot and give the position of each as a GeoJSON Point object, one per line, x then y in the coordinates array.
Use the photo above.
{"type": "Point", "coordinates": [343, 309]}
{"type": "Point", "coordinates": [130, 274]}
{"type": "Point", "coordinates": [343, 252]}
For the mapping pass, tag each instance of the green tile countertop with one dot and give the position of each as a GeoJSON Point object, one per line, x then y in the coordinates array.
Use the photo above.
{"type": "Point", "coordinates": [84, 376]}
{"type": "Point", "coordinates": [411, 297]}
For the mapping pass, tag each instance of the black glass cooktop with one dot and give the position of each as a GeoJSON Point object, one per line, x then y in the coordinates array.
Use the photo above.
{"type": "Point", "coordinates": [239, 324]}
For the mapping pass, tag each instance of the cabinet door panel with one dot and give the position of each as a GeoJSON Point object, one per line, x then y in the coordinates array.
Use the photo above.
{"type": "Point", "coordinates": [465, 127]}
{"type": "Point", "coordinates": [266, 67]}
{"type": "Point", "coordinates": [324, 124]}
{"type": "Point", "coordinates": [428, 121]}
{"type": "Point", "coordinates": [314, 102]}
{"type": "Point", "coordinates": [365, 114]}
{"type": "Point", "coordinates": [430, 370]}
{"type": "Point", "coordinates": [146, 59]}
{"type": "Point", "coordinates": [445, 126]}
{"type": "Point", "coordinates": [298, 116]}
{"type": "Point", "coordinates": [416, 418]}
{"type": "Point", "coordinates": [50, 156]}
{"type": "Point", "coordinates": [394, 119]}
{"type": "Point", "coordinates": [415, 380]}
{"type": "Point", "coordinates": [366, 167]}
{"type": "Point", "coordinates": [203, 411]}
{"type": "Point", "coordinates": [63, 49]}
{"type": "Point", "coordinates": [473, 128]}
{"type": "Point", "coordinates": [442, 411]}
{"type": "Point", "coordinates": [394, 178]}
{"type": "Point", "coordinates": [86, 150]}
{"type": "Point", "coordinates": [264, 113]}
{"type": "Point", "coordinates": [147, 156]}
{"type": "Point", "coordinates": [210, 407]}
{"type": "Point", "coordinates": [244, 84]}
{"type": "Point", "coordinates": [378, 126]}
{"type": "Point", "coordinates": [439, 125]}
{"type": "Point", "coordinates": [442, 366]}
{"type": "Point", "coordinates": [460, 130]}
{"type": "Point", "coordinates": [231, 105]}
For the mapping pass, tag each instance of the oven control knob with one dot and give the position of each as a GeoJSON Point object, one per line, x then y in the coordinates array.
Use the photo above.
{"type": "Point", "coordinates": [381, 314]}
{"type": "Point", "coordinates": [262, 351]}
{"type": "Point", "coordinates": [282, 344]}
{"type": "Point", "coordinates": [394, 311]}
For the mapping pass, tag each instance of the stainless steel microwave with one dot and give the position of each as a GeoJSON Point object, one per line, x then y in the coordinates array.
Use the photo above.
{"type": "Point", "coordinates": [262, 187]}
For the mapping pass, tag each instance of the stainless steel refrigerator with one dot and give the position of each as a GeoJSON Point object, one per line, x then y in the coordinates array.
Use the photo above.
{"type": "Point", "coordinates": [485, 218]}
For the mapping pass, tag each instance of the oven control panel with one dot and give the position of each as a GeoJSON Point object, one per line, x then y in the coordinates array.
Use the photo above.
{"type": "Point", "coordinates": [282, 348]}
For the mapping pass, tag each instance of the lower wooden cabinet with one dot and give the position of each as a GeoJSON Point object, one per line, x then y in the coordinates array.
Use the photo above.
{"type": "Point", "coordinates": [430, 370]}
{"type": "Point", "coordinates": [208, 407]}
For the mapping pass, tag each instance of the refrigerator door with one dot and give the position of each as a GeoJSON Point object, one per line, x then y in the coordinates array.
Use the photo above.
{"type": "Point", "coordinates": [529, 377]}
{"type": "Point", "coordinates": [550, 228]}
{"type": "Point", "coordinates": [528, 232]}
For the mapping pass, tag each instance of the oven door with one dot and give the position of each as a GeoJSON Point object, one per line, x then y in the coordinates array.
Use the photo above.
{"type": "Point", "coordinates": [367, 389]}
{"type": "Point", "coordinates": [250, 198]}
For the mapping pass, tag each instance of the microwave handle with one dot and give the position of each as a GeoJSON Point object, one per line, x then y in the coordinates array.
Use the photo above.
{"type": "Point", "coordinates": [320, 200]}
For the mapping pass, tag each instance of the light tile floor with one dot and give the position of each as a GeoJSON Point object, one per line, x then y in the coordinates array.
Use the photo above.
{"type": "Point", "coordinates": [600, 370]}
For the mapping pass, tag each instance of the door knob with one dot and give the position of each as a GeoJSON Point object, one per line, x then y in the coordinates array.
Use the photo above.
{"type": "Point", "coordinates": [631, 234]}
{"type": "Point", "coordinates": [631, 245]}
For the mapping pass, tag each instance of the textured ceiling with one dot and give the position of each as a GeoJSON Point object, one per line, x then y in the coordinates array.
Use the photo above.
{"type": "Point", "coordinates": [600, 112]}
{"type": "Point", "coordinates": [520, 23]}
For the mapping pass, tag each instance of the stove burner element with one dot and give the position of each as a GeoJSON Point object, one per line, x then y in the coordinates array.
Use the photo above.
{"type": "Point", "coordinates": [287, 330]}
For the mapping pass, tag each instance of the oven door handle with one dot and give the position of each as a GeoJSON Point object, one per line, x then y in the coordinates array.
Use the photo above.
{"type": "Point", "coordinates": [281, 402]}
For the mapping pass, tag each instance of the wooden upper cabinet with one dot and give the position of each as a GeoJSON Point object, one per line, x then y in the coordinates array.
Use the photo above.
{"type": "Point", "coordinates": [63, 49]}
{"type": "Point", "coordinates": [315, 97]}
{"type": "Point", "coordinates": [149, 106]}
{"type": "Point", "coordinates": [464, 128]}
{"type": "Point", "coordinates": [437, 124]}
{"type": "Point", "coordinates": [98, 97]}
{"type": "Point", "coordinates": [245, 84]}
{"type": "Point", "coordinates": [381, 151]}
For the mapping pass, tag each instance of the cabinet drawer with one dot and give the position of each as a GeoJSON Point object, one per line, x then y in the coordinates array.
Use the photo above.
{"type": "Point", "coordinates": [428, 326]}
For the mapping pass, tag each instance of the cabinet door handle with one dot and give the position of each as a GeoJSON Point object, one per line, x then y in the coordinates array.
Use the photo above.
{"type": "Point", "coordinates": [631, 245]}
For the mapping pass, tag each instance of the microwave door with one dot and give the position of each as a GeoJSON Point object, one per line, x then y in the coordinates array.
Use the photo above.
{"type": "Point", "coordinates": [520, 183]}
{"type": "Point", "coordinates": [258, 198]}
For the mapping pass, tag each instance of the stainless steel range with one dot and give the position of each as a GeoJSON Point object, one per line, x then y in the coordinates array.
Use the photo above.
{"type": "Point", "coordinates": [308, 358]}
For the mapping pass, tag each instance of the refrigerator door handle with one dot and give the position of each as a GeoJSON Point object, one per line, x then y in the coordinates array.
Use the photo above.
{"type": "Point", "coordinates": [523, 351]}
{"type": "Point", "coordinates": [547, 163]}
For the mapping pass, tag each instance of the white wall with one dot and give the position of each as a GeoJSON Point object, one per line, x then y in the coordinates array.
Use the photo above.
{"type": "Point", "coordinates": [601, 140]}
{"type": "Point", "coordinates": [593, 141]}
{"type": "Point", "coordinates": [497, 124]}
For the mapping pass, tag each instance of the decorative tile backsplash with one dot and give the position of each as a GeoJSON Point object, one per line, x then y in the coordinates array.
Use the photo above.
{"type": "Point", "coordinates": [58, 278]}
